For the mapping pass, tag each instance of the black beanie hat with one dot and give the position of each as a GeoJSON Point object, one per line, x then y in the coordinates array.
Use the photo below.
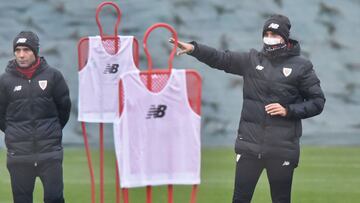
{"type": "Point", "coordinates": [28, 39]}
{"type": "Point", "coordinates": [278, 24]}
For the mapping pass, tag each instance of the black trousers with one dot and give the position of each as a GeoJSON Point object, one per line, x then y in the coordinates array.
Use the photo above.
{"type": "Point", "coordinates": [248, 171]}
{"type": "Point", "coordinates": [23, 177]}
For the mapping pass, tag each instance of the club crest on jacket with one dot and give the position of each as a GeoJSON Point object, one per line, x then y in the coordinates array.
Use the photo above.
{"type": "Point", "coordinates": [43, 84]}
{"type": "Point", "coordinates": [287, 71]}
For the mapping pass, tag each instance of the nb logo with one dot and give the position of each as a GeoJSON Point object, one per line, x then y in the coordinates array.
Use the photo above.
{"type": "Point", "coordinates": [273, 26]}
{"type": "Point", "coordinates": [286, 163]}
{"type": "Point", "coordinates": [21, 40]}
{"type": "Point", "coordinates": [111, 68]}
{"type": "Point", "coordinates": [17, 88]}
{"type": "Point", "coordinates": [156, 112]}
{"type": "Point", "coordinates": [258, 67]}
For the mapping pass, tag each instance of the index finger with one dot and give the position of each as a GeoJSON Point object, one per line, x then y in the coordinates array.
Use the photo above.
{"type": "Point", "coordinates": [271, 105]}
{"type": "Point", "coordinates": [172, 41]}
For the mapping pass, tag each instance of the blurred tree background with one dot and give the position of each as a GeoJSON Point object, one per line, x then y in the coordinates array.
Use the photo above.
{"type": "Point", "coordinates": [327, 30]}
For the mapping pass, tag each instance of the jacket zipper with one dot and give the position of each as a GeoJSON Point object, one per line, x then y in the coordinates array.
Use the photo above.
{"type": "Point", "coordinates": [263, 140]}
{"type": "Point", "coordinates": [33, 123]}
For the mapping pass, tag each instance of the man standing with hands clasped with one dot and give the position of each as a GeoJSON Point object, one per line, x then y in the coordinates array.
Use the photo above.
{"type": "Point", "coordinates": [280, 88]}
{"type": "Point", "coordinates": [34, 108]}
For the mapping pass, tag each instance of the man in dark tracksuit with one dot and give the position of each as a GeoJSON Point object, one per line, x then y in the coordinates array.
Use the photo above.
{"type": "Point", "coordinates": [34, 108]}
{"type": "Point", "coordinates": [280, 88]}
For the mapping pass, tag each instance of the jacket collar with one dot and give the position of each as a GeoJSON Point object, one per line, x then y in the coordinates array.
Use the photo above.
{"type": "Point", "coordinates": [11, 67]}
{"type": "Point", "coordinates": [292, 49]}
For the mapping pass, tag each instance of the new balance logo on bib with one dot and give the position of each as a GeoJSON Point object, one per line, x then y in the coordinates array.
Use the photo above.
{"type": "Point", "coordinates": [111, 69]}
{"type": "Point", "coordinates": [156, 112]}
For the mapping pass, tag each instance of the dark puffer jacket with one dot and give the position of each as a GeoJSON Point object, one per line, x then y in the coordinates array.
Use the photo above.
{"type": "Point", "coordinates": [289, 80]}
{"type": "Point", "coordinates": [33, 113]}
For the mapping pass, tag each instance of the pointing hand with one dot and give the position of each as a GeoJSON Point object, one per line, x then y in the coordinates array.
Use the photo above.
{"type": "Point", "coordinates": [184, 47]}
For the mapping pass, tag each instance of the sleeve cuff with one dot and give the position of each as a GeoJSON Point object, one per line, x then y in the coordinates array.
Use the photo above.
{"type": "Point", "coordinates": [195, 48]}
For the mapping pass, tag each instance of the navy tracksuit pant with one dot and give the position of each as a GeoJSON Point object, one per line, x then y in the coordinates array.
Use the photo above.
{"type": "Point", "coordinates": [23, 177]}
{"type": "Point", "coordinates": [248, 171]}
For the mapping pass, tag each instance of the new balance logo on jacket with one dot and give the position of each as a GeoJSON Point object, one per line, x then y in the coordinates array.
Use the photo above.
{"type": "Point", "coordinates": [17, 88]}
{"type": "Point", "coordinates": [156, 112]}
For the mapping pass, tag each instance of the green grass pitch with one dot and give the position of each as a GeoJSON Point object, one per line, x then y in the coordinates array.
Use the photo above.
{"type": "Point", "coordinates": [325, 174]}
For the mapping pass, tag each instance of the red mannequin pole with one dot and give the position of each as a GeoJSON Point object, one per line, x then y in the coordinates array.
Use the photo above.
{"type": "Point", "coordinates": [88, 155]}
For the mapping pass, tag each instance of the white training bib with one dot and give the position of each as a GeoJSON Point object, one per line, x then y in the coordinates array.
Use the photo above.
{"type": "Point", "coordinates": [99, 79]}
{"type": "Point", "coordinates": [157, 136]}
